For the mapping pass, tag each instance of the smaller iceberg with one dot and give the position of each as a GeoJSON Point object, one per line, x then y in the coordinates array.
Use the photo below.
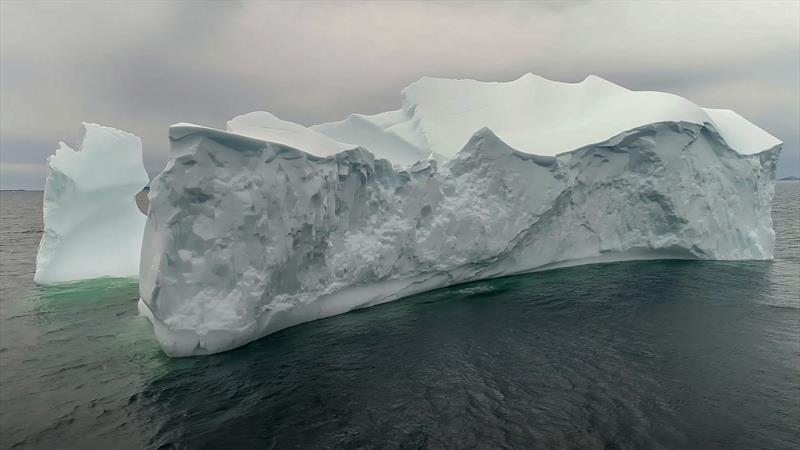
{"type": "Point", "coordinates": [92, 226]}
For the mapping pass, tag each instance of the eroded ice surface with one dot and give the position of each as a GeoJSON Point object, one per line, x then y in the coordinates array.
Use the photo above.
{"type": "Point", "coordinates": [246, 237]}
{"type": "Point", "coordinates": [92, 226]}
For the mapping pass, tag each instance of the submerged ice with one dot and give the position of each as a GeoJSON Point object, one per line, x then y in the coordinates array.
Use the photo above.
{"type": "Point", "coordinates": [249, 233]}
{"type": "Point", "coordinates": [92, 226]}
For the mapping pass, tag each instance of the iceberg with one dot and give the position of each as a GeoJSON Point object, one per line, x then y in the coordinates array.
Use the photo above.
{"type": "Point", "coordinates": [248, 233]}
{"type": "Point", "coordinates": [92, 226]}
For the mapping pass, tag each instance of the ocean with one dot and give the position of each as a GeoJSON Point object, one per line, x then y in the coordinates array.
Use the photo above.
{"type": "Point", "coordinates": [631, 355]}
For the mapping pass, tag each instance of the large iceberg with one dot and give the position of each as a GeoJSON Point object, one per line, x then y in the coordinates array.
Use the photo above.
{"type": "Point", "coordinates": [249, 232]}
{"type": "Point", "coordinates": [92, 226]}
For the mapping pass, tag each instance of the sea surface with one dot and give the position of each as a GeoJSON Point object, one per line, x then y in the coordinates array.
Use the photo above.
{"type": "Point", "coordinates": [634, 355]}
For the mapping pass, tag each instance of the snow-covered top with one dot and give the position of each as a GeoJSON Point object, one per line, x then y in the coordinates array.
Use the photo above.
{"type": "Point", "coordinates": [392, 135]}
{"type": "Point", "coordinates": [265, 126]}
{"type": "Point", "coordinates": [531, 114]}
{"type": "Point", "coordinates": [107, 157]}
{"type": "Point", "coordinates": [539, 116]}
{"type": "Point", "coordinates": [741, 134]}
{"type": "Point", "coordinates": [371, 134]}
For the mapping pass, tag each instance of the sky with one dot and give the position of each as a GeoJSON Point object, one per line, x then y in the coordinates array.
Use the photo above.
{"type": "Point", "coordinates": [142, 66]}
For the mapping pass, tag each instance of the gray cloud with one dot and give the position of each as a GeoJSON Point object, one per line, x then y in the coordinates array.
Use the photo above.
{"type": "Point", "coordinates": [140, 66]}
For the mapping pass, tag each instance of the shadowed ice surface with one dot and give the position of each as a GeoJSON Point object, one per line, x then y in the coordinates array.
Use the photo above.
{"type": "Point", "coordinates": [657, 354]}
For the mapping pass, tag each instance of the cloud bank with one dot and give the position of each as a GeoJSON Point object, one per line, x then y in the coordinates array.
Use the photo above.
{"type": "Point", "coordinates": [141, 66]}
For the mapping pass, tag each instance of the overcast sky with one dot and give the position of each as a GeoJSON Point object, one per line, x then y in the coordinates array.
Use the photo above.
{"type": "Point", "coordinates": [141, 66]}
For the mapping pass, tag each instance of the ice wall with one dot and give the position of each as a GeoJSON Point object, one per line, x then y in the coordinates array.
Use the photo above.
{"type": "Point", "coordinates": [92, 226]}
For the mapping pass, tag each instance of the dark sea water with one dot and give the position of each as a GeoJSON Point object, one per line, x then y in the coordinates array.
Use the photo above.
{"type": "Point", "coordinates": [644, 355]}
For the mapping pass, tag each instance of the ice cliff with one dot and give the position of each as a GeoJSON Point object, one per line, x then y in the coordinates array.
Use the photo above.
{"type": "Point", "coordinates": [248, 233]}
{"type": "Point", "coordinates": [92, 226]}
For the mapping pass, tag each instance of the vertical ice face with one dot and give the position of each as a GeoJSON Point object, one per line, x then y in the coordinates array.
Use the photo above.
{"type": "Point", "coordinates": [92, 226]}
{"type": "Point", "coordinates": [246, 237]}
